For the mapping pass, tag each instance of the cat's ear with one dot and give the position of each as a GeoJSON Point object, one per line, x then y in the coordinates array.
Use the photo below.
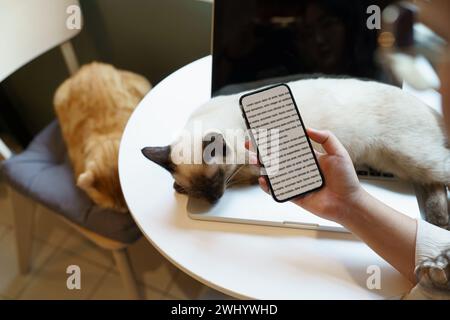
{"type": "Point", "coordinates": [160, 156]}
{"type": "Point", "coordinates": [86, 180]}
{"type": "Point", "coordinates": [215, 147]}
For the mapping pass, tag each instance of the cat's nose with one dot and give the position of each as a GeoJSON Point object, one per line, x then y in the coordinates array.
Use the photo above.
{"type": "Point", "coordinates": [213, 200]}
{"type": "Point", "coordinates": [213, 197]}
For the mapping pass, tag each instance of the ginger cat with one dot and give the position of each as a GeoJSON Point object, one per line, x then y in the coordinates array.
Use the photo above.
{"type": "Point", "coordinates": [93, 107]}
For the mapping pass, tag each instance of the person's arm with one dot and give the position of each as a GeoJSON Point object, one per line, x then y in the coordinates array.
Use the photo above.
{"type": "Point", "coordinates": [389, 233]}
{"type": "Point", "coordinates": [342, 199]}
{"type": "Point", "coordinates": [445, 92]}
{"type": "Point", "coordinates": [435, 14]}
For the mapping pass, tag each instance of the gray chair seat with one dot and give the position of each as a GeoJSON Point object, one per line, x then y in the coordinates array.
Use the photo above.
{"type": "Point", "coordinates": [43, 172]}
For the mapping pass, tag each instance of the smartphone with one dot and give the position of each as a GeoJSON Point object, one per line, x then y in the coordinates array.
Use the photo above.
{"type": "Point", "coordinates": [283, 146]}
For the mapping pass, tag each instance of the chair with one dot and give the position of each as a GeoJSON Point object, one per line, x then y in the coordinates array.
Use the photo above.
{"type": "Point", "coordinates": [42, 174]}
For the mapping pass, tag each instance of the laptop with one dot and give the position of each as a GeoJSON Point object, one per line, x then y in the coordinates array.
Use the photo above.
{"type": "Point", "coordinates": [251, 205]}
{"type": "Point", "coordinates": [256, 43]}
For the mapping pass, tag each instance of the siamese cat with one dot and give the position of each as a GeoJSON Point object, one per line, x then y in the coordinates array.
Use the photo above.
{"type": "Point", "coordinates": [380, 125]}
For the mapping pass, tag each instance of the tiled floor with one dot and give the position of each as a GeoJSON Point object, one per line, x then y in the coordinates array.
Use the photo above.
{"type": "Point", "coordinates": [57, 246]}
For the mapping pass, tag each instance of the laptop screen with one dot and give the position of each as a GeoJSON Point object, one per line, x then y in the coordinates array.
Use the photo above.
{"type": "Point", "coordinates": [257, 42]}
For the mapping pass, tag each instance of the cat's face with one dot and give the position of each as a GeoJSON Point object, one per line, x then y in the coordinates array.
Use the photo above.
{"type": "Point", "coordinates": [204, 180]}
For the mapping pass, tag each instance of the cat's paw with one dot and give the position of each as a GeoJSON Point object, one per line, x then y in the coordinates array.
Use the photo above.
{"type": "Point", "coordinates": [433, 276]}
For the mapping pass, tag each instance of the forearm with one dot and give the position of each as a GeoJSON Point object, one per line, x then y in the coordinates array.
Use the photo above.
{"type": "Point", "coordinates": [388, 232]}
{"type": "Point", "coordinates": [435, 15]}
{"type": "Point", "coordinates": [445, 91]}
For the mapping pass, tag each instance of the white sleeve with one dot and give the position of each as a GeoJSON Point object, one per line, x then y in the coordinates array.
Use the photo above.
{"type": "Point", "coordinates": [431, 242]}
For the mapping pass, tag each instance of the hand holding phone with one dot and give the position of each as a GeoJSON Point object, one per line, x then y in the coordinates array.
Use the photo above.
{"type": "Point", "coordinates": [284, 149]}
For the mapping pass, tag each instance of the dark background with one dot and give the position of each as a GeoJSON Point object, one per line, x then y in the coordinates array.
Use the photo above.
{"type": "Point", "coordinates": [261, 39]}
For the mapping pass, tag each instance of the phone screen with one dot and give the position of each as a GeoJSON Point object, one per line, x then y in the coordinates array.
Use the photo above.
{"type": "Point", "coordinates": [283, 146]}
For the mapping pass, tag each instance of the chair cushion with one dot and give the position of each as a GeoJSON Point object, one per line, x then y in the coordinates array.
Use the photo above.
{"type": "Point", "coordinates": [43, 172]}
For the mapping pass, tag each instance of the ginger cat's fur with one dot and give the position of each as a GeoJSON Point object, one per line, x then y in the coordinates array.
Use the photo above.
{"type": "Point", "coordinates": [93, 107]}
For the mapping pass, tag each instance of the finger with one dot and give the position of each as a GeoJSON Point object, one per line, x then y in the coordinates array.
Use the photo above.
{"type": "Point", "coordinates": [328, 140]}
{"type": "Point", "coordinates": [263, 184]}
{"type": "Point", "coordinates": [318, 154]}
{"type": "Point", "coordinates": [248, 145]}
{"type": "Point", "coordinates": [252, 158]}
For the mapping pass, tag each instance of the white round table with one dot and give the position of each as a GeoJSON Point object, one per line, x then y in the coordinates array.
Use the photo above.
{"type": "Point", "coordinates": [244, 261]}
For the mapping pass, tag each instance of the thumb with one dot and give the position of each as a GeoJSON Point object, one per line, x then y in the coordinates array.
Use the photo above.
{"type": "Point", "coordinates": [328, 140]}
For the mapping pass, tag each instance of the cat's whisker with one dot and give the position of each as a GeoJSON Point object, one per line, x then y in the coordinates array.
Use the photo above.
{"type": "Point", "coordinates": [233, 174]}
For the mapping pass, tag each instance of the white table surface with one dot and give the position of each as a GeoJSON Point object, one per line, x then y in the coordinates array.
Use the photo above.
{"type": "Point", "coordinates": [243, 261]}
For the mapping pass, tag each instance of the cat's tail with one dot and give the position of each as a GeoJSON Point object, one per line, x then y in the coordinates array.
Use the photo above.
{"type": "Point", "coordinates": [432, 193]}
{"type": "Point", "coordinates": [434, 204]}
